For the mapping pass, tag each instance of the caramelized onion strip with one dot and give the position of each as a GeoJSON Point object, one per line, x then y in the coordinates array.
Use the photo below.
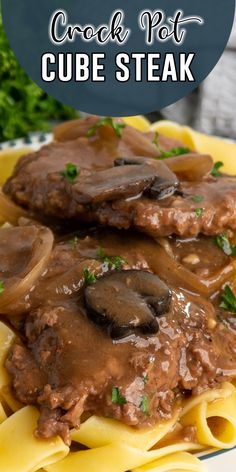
{"type": "Point", "coordinates": [9, 212]}
{"type": "Point", "coordinates": [18, 286]}
{"type": "Point", "coordinates": [190, 167]}
{"type": "Point", "coordinates": [73, 129]}
{"type": "Point", "coordinates": [68, 283]}
{"type": "Point", "coordinates": [169, 269]}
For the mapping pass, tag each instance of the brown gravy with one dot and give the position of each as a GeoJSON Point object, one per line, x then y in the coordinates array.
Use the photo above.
{"type": "Point", "coordinates": [68, 365]}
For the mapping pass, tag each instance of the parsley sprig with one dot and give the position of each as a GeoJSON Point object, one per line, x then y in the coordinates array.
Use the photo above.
{"type": "Point", "coordinates": [223, 242]}
{"type": "Point", "coordinates": [228, 300]}
{"type": "Point", "coordinates": [70, 172]}
{"type": "Point", "coordinates": [112, 262]}
{"type": "Point", "coordinates": [144, 404]}
{"type": "Point", "coordinates": [117, 127]}
{"type": "Point", "coordinates": [24, 107]}
{"type": "Point", "coordinates": [117, 398]}
{"type": "Point", "coordinates": [197, 198]}
{"type": "Point", "coordinates": [175, 151]}
{"type": "Point", "coordinates": [74, 241]}
{"type": "Point", "coordinates": [89, 277]}
{"type": "Point", "coordinates": [1, 287]}
{"type": "Point", "coordinates": [199, 212]}
{"type": "Point", "coordinates": [215, 170]}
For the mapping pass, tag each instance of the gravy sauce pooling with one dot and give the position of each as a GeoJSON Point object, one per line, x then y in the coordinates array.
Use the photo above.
{"type": "Point", "coordinates": [68, 365]}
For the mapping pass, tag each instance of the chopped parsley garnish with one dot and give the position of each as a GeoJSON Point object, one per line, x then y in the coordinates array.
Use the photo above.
{"type": "Point", "coordinates": [199, 212]}
{"type": "Point", "coordinates": [74, 241]}
{"type": "Point", "coordinates": [112, 262]}
{"type": "Point", "coordinates": [215, 170]}
{"type": "Point", "coordinates": [144, 405]}
{"type": "Point", "coordinates": [145, 378]}
{"type": "Point", "coordinates": [228, 300]}
{"type": "Point", "coordinates": [1, 287]}
{"type": "Point", "coordinates": [176, 151]}
{"type": "Point", "coordinates": [117, 398]}
{"type": "Point", "coordinates": [118, 127]}
{"type": "Point", "coordinates": [223, 242]}
{"type": "Point", "coordinates": [70, 172]}
{"type": "Point", "coordinates": [156, 141]}
{"type": "Point", "coordinates": [89, 277]}
{"type": "Point", "coordinates": [197, 198]}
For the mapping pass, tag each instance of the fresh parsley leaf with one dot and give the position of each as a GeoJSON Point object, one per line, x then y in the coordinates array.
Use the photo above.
{"type": "Point", "coordinates": [1, 287]}
{"type": "Point", "coordinates": [144, 405]}
{"type": "Point", "coordinates": [24, 106]}
{"type": "Point", "coordinates": [199, 212]}
{"type": "Point", "coordinates": [70, 172]}
{"type": "Point", "coordinates": [197, 198]}
{"type": "Point", "coordinates": [215, 170]}
{"type": "Point", "coordinates": [116, 262]}
{"type": "Point", "coordinates": [89, 277]}
{"type": "Point", "coordinates": [101, 253]}
{"type": "Point", "coordinates": [117, 398]}
{"type": "Point", "coordinates": [156, 141]}
{"type": "Point", "coordinates": [118, 127]}
{"type": "Point", "coordinates": [223, 242]}
{"type": "Point", "coordinates": [228, 300]}
{"type": "Point", "coordinates": [74, 241]}
{"type": "Point", "coordinates": [113, 262]}
{"type": "Point", "coordinates": [176, 151]}
{"type": "Point", "coordinates": [145, 378]}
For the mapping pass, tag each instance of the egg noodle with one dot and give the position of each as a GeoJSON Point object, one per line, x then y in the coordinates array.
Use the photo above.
{"type": "Point", "coordinates": [110, 445]}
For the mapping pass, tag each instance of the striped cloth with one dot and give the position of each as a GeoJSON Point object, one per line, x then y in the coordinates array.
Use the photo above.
{"type": "Point", "coordinates": [212, 107]}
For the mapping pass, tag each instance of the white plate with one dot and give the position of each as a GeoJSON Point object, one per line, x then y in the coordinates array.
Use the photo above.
{"type": "Point", "coordinates": [215, 461]}
{"type": "Point", "coordinates": [220, 461]}
{"type": "Point", "coordinates": [34, 141]}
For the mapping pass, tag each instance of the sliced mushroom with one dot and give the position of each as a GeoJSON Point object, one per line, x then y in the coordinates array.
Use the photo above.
{"type": "Point", "coordinates": [127, 302]}
{"type": "Point", "coordinates": [112, 184]}
{"type": "Point", "coordinates": [165, 183]}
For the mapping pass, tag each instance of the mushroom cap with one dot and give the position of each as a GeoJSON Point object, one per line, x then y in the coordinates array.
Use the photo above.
{"type": "Point", "coordinates": [113, 184]}
{"type": "Point", "coordinates": [165, 182]}
{"type": "Point", "coordinates": [127, 301]}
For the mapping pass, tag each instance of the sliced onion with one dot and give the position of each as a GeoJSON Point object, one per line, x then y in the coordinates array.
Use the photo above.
{"type": "Point", "coordinates": [190, 167]}
{"type": "Point", "coordinates": [73, 129]}
{"type": "Point", "coordinates": [138, 143]}
{"type": "Point", "coordinates": [172, 271]}
{"type": "Point", "coordinates": [9, 212]}
{"type": "Point", "coordinates": [32, 246]}
{"type": "Point", "coordinates": [166, 245]}
{"type": "Point", "coordinates": [68, 283]}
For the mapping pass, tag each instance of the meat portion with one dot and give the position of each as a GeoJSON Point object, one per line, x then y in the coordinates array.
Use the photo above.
{"type": "Point", "coordinates": [144, 193]}
{"type": "Point", "coordinates": [38, 184]}
{"type": "Point", "coordinates": [69, 365]}
{"type": "Point", "coordinates": [207, 207]}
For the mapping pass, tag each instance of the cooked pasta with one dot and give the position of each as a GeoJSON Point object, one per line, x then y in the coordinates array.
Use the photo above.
{"type": "Point", "coordinates": [215, 420]}
{"type": "Point", "coordinates": [112, 445]}
{"type": "Point", "coordinates": [20, 451]}
{"type": "Point", "coordinates": [108, 438]}
{"type": "Point", "coordinates": [3, 415]}
{"type": "Point", "coordinates": [6, 339]}
{"type": "Point", "coordinates": [126, 458]}
{"type": "Point", "coordinates": [179, 462]}
{"type": "Point", "coordinates": [97, 432]}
